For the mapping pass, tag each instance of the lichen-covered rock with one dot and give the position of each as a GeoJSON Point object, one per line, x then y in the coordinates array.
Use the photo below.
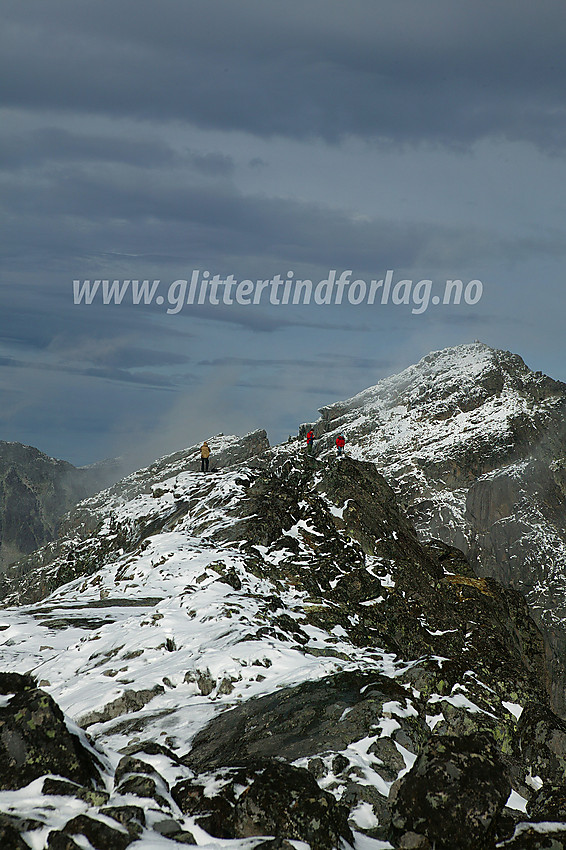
{"type": "Point", "coordinates": [57, 840]}
{"type": "Point", "coordinates": [453, 794]}
{"type": "Point", "coordinates": [135, 776]}
{"type": "Point", "coordinates": [132, 817]}
{"type": "Point", "coordinates": [549, 804]}
{"type": "Point", "coordinates": [35, 740]}
{"type": "Point", "coordinates": [268, 798]}
{"type": "Point", "coordinates": [129, 764]}
{"type": "Point", "coordinates": [142, 786]}
{"type": "Point", "coordinates": [541, 742]}
{"type": "Point", "coordinates": [100, 835]}
{"type": "Point", "coordinates": [64, 788]}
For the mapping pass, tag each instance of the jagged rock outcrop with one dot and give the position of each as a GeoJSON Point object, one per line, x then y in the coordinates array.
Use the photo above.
{"type": "Point", "coordinates": [267, 798]}
{"type": "Point", "coordinates": [31, 579]}
{"type": "Point", "coordinates": [35, 493]}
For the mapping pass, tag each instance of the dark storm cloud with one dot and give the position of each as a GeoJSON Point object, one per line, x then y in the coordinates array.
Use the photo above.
{"type": "Point", "coordinates": [53, 144]}
{"type": "Point", "coordinates": [34, 319]}
{"type": "Point", "coordinates": [145, 140]}
{"type": "Point", "coordinates": [215, 164]}
{"type": "Point", "coordinates": [96, 342]}
{"type": "Point", "coordinates": [407, 72]}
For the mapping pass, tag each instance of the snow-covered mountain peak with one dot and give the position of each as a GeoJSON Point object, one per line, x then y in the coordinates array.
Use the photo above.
{"type": "Point", "coordinates": [460, 400]}
{"type": "Point", "coordinates": [474, 443]}
{"type": "Point", "coordinates": [441, 372]}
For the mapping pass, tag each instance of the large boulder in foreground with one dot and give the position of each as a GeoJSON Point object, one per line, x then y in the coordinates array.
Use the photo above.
{"type": "Point", "coordinates": [266, 798]}
{"type": "Point", "coordinates": [35, 740]}
{"type": "Point", "coordinates": [453, 794]}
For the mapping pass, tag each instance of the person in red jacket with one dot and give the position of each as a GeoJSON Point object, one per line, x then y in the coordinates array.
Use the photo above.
{"type": "Point", "coordinates": [340, 443]}
{"type": "Point", "coordinates": [310, 441]}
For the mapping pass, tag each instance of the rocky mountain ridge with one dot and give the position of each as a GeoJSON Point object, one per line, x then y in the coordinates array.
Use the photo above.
{"type": "Point", "coordinates": [474, 443]}
{"type": "Point", "coordinates": [268, 655]}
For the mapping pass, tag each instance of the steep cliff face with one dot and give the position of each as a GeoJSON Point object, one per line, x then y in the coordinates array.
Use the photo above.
{"type": "Point", "coordinates": [35, 492]}
{"type": "Point", "coordinates": [270, 650]}
{"type": "Point", "coordinates": [474, 443]}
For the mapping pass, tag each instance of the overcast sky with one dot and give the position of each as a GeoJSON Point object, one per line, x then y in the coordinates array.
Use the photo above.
{"type": "Point", "coordinates": [145, 140]}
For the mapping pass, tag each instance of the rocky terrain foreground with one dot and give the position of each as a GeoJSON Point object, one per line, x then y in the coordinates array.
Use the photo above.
{"type": "Point", "coordinates": [270, 656]}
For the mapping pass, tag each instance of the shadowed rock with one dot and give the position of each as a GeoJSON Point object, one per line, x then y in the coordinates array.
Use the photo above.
{"type": "Point", "coordinates": [292, 723]}
{"type": "Point", "coordinates": [453, 794]}
{"type": "Point", "coordinates": [267, 798]}
{"type": "Point", "coordinates": [34, 739]}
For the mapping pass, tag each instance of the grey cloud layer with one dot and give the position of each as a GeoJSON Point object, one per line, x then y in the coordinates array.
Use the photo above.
{"type": "Point", "coordinates": [144, 140]}
{"type": "Point", "coordinates": [411, 71]}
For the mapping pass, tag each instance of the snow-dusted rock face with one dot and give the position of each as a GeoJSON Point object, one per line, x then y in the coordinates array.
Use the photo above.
{"type": "Point", "coordinates": [474, 444]}
{"type": "Point", "coordinates": [32, 578]}
{"type": "Point", "coordinates": [266, 651]}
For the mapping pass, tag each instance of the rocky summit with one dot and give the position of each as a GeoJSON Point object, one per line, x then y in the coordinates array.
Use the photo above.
{"type": "Point", "coordinates": [293, 650]}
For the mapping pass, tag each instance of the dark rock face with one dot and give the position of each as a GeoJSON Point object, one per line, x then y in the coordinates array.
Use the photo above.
{"type": "Point", "coordinates": [35, 492]}
{"type": "Point", "coordinates": [34, 739]}
{"type": "Point", "coordinates": [295, 722]}
{"type": "Point", "coordinates": [135, 776]}
{"type": "Point", "coordinates": [453, 794]}
{"type": "Point", "coordinates": [62, 787]}
{"type": "Point", "coordinates": [100, 835]}
{"type": "Point", "coordinates": [132, 817]}
{"type": "Point", "coordinates": [277, 799]}
{"type": "Point", "coordinates": [542, 742]}
{"type": "Point", "coordinates": [549, 804]}
{"type": "Point", "coordinates": [10, 833]}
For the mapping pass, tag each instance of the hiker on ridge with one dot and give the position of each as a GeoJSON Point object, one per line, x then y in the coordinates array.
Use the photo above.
{"type": "Point", "coordinates": [204, 456]}
{"type": "Point", "coordinates": [340, 443]}
{"type": "Point", "coordinates": [310, 441]}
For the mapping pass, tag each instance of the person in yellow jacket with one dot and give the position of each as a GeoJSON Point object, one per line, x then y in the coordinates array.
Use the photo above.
{"type": "Point", "coordinates": [204, 456]}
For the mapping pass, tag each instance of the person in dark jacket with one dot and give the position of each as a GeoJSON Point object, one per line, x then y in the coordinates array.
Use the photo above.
{"type": "Point", "coordinates": [340, 443]}
{"type": "Point", "coordinates": [204, 456]}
